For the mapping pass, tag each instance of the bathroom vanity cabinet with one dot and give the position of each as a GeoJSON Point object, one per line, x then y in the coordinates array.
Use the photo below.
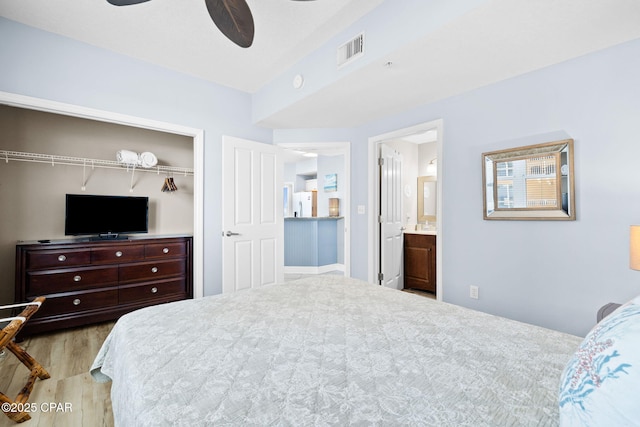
{"type": "Point", "coordinates": [420, 261]}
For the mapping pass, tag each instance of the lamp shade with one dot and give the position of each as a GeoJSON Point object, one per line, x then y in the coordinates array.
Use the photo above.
{"type": "Point", "coordinates": [634, 247]}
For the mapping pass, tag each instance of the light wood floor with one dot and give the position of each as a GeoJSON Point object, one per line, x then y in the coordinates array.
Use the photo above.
{"type": "Point", "coordinates": [67, 355]}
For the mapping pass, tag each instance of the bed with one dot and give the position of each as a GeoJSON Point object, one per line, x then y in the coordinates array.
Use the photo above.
{"type": "Point", "coordinates": [330, 351]}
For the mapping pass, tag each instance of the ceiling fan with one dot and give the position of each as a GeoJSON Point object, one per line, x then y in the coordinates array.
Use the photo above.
{"type": "Point", "coordinates": [232, 17]}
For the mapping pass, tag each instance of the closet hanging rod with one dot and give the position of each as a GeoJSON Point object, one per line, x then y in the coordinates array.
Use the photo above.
{"type": "Point", "coordinates": [54, 159]}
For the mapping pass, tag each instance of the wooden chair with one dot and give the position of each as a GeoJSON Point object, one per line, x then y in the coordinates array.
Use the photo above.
{"type": "Point", "coordinates": [7, 335]}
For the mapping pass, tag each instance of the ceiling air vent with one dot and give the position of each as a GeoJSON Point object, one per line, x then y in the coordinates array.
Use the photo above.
{"type": "Point", "coordinates": [351, 50]}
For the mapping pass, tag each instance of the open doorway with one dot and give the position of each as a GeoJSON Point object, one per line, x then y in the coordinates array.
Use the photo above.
{"type": "Point", "coordinates": [431, 159]}
{"type": "Point", "coordinates": [317, 197]}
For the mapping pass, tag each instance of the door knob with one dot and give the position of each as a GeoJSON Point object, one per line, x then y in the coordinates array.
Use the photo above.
{"type": "Point", "coordinates": [231, 233]}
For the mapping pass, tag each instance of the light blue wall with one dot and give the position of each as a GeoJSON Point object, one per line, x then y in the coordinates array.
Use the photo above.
{"type": "Point", "coordinates": [555, 274]}
{"type": "Point", "coordinates": [44, 65]}
{"type": "Point", "coordinates": [549, 273]}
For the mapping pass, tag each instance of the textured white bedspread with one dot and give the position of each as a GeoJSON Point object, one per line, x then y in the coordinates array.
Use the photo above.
{"type": "Point", "coordinates": [330, 351]}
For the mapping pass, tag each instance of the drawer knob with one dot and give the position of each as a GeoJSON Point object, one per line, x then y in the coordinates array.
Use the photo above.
{"type": "Point", "coordinates": [77, 278]}
{"type": "Point", "coordinates": [154, 270]}
{"type": "Point", "coordinates": [119, 254]}
{"type": "Point", "coordinates": [76, 301]}
{"type": "Point", "coordinates": [62, 258]}
{"type": "Point", "coordinates": [165, 251]}
{"type": "Point", "coordinates": [154, 290]}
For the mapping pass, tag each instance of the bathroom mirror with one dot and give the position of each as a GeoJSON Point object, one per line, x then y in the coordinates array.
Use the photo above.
{"type": "Point", "coordinates": [534, 182]}
{"type": "Point", "coordinates": [427, 186]}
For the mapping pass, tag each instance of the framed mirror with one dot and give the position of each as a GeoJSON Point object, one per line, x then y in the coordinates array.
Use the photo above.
{"type": "Point", "coordinates": [427, 191]}
{"type": "Point", "coordinates": [534, 182]}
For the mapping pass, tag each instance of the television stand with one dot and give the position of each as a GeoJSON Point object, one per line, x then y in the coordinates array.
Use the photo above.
{"type": "Point", "coordinates": [87, 282]}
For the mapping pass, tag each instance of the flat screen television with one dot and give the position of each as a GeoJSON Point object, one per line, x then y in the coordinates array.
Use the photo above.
{"type": "Point", "coordinates": [106, 217]}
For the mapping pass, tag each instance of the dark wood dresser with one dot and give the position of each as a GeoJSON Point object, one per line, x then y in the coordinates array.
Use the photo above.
{"type": "Point", "coordinates": [420, 262]}
{"type": "Point", "coordinates": [89, 282]}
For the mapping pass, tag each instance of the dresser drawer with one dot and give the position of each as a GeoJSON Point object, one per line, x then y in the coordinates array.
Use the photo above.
{"type": "Point", "coordinates": [57, 258]}
{"type": "Point", "coordinates": [135, 293]}
{"type": "Point", "coordinates": [54, 281]}
{"type": "Point", "coordinates": [165, 250]}
{"type": "Point", "coordinates": [116, 254]}
{"type": "Point", "coordinates": [153, 270]}
{"type": "Point", "coordinates": [73, 302]}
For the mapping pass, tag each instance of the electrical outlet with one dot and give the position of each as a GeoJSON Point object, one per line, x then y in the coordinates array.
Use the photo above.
{"type": "Point", "coordinates": [473, 292]}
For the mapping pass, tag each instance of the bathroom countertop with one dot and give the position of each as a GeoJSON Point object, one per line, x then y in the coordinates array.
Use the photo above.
{"type": "Point", "coordinates": [427, 232]}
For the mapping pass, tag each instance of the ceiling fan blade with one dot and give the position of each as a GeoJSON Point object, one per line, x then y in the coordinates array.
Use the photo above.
{"type": "Point", "coordinates": [233, 18]}
{"type": "Point", "coordinates": [125, 2]}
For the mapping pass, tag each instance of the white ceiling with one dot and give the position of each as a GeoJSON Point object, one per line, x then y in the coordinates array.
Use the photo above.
{"type": "Point", "coordinates": [180, 35]}
{"type": "Point", "coordinates": [498, 40]}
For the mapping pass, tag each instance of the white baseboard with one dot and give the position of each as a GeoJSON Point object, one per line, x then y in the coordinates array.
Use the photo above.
{"type": "Point", "coordinates": [313, 270]}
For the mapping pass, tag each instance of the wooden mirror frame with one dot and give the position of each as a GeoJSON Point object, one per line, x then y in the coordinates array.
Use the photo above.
{"type": "Point", "coordinates": [420, 193]}
{"type": "Point", "coordinates": [563, 167]}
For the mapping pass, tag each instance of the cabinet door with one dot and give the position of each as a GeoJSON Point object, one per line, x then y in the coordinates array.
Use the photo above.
{"type": "Point", "coordinates": [420, 262]}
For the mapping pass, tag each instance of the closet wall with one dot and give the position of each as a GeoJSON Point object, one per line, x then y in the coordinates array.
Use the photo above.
{"type": "Point", "coordinates": [32, 195]}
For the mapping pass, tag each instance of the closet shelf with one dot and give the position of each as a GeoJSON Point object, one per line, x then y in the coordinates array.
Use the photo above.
{"type": "Point", "coordinates": [54, 159]}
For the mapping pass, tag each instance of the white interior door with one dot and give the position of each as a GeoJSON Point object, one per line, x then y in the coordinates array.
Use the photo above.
{"type": "Point", "coordinates": [390, 218]}
{"type": "Point", "coordinates": [252, 215]}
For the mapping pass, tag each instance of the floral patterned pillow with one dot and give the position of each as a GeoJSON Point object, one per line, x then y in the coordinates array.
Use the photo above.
{"type": "Point", "coordinates": [600, 386]}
